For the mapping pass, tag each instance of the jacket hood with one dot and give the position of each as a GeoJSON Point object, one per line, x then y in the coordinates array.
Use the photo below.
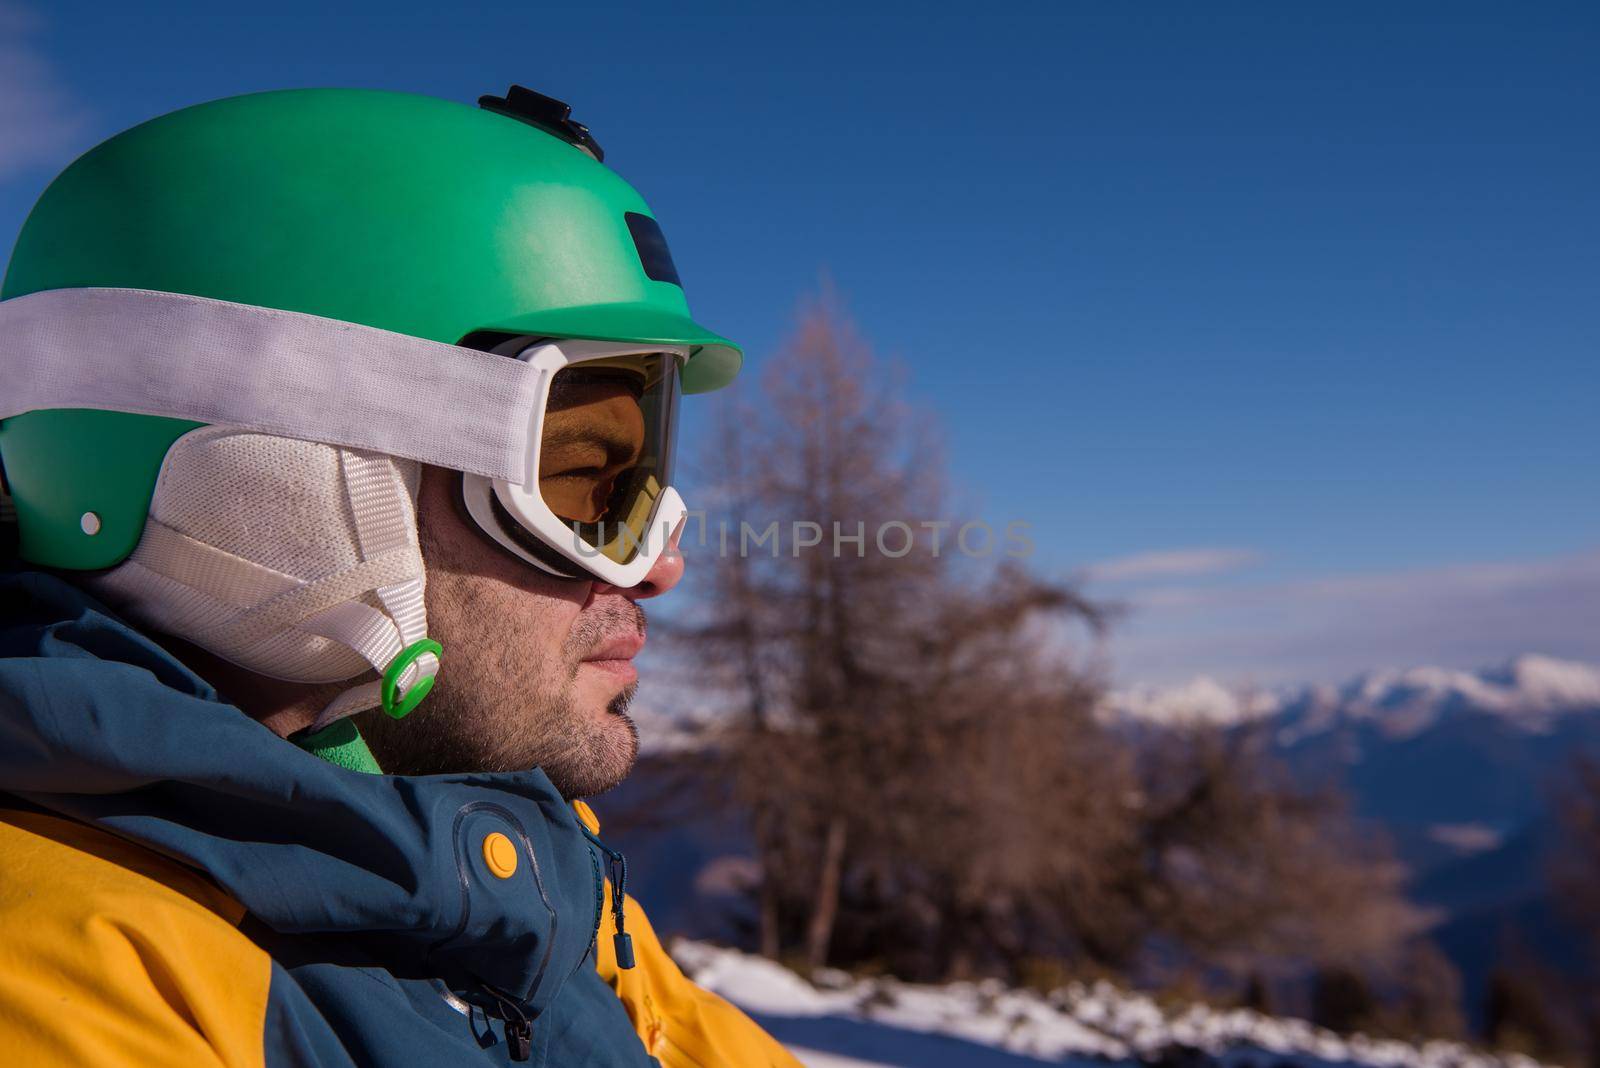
{"type": "Point", "coordinates": [99, 724]}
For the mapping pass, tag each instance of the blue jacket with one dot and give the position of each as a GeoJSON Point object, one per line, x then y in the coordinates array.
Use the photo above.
{"type": "Point", "coordinates": [180, 886]}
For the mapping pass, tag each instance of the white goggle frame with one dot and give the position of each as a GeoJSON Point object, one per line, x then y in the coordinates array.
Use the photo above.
{"type": "Point", "coordinates": [525, 504]}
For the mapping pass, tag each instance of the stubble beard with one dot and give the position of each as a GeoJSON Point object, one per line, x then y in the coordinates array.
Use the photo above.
{"type": "Point", "coordinates": [506, 716]}
{"type": "Point", "coordinates": [503, 703]}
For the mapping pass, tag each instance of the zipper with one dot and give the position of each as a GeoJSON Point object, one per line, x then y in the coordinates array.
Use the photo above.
{"type": "Point", "coordinates": [617, 866]}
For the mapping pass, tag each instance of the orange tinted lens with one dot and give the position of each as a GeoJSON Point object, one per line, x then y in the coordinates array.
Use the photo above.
{"type": "Point", "coordinates": [604, 452]}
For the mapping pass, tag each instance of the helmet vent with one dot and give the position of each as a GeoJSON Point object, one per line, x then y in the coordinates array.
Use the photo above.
{"type": "Point", "coordinates": [654, 256]}
{"type": "Point", "coordinates": [545, 112]}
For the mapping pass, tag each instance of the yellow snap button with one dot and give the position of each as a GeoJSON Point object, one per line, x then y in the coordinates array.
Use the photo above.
{"type": "Point", "coordinates": [500, 855]}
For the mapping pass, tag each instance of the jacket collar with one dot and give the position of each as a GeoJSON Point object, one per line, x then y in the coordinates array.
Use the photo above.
{"type": "Point", "coordinates": [99, 724]}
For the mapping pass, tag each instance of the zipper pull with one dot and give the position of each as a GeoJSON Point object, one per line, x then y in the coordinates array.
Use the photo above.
{"type": "Point", "coordinates": [617, 871]}
{"type": "Point", "coordinates": [622, 943]}
{"type": "Point", "coordinates": [519, 1029]}
{"type": "Point", "coordinates": [519, 1039]}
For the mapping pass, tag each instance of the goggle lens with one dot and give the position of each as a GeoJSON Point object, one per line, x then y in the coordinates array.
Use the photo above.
{"type": "Point", "coordinates": [606, 448]}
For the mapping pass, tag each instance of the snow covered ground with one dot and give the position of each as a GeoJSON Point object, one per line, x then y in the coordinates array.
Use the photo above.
{"type": "Point", "coordinates": [843, 1022]}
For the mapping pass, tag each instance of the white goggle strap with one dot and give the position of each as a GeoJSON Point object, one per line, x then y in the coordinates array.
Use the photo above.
{"type": "Point", "coordinates": [283, 373]}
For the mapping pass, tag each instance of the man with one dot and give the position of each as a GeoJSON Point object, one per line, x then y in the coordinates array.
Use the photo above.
{"type": "Point", "coordinates": [325, 408]}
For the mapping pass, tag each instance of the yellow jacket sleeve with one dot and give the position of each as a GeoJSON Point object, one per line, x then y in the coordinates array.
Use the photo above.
{"type": "Point", "coordinates": [681, 1024]}
{"type": "Point", "coordinates": [114, 957]}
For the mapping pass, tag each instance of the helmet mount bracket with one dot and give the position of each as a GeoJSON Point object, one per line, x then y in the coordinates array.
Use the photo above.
{"type": "Point", "coordinates": [547, 113]}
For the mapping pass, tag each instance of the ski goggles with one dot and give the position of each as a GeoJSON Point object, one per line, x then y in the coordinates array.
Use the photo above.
{"type": "Point", "coordinates": [598, 502]}
{"type": "Point", "coordinates": [565, 446]}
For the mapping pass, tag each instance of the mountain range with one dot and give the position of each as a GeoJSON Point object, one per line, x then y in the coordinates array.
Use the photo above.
{"type": "Point", "coordinates": [1450, 763]}
{"type": "Point", "coordinates": [1461, 770]}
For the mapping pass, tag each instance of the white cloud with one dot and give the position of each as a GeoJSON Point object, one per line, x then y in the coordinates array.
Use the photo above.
{"type": "Point", "coordinates": [1170, 563]}
{"type": "Point", "coordinates": [1324, 629]}
{"type": "Point", "coordinates": [40, 122]}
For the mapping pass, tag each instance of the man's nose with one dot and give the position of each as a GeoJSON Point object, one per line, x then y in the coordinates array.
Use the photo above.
{"type": "Point", "coordinates": [666, 573]}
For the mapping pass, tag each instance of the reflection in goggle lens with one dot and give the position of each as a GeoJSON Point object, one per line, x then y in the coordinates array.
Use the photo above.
{"type": "Point", "coordinates": [605, 453]}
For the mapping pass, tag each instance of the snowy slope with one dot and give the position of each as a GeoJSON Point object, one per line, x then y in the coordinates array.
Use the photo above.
{"type": "Point", "coordinates": [859, 1023]}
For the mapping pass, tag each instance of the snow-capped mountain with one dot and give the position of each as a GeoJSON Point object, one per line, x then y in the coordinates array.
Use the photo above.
{"type": "Point", "coordinates": [1200, 701]}
{"type": "Point", "coordinates": [1452, 763]}
{"type": "Point", "coordinates": [1529, 692]}
{"type": "Point", "coordinates": [1461, 770]}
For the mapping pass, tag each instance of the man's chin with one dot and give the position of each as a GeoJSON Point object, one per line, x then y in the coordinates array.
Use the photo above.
{"type": "Point", "coordinates": [583, 739]}
{"type": "Point", "coordinates": [605, 757]}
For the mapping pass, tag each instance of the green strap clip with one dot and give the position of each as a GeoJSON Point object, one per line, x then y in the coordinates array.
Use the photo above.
{"type": "Point", "coordinates": [391, 678]}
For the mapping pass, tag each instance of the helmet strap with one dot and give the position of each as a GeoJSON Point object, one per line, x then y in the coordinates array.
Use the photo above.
{"type": "Point", "coordinates": [376, 495]}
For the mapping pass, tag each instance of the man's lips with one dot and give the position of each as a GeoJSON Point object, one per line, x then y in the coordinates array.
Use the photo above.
{"type": "Point", "coordinates": [623, 647]}
{"type": "Point", "coordinates": [615, 657]}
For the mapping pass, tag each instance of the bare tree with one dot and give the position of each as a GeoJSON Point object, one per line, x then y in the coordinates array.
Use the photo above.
{"type": "Point", "coordinates": [929, 786]}
{"type": "Point", "coordinates": [1575, 877]}
{"type": "Point", "coordinates": [1576, 874]}
{"type": "Point", "coordinates": [1241, 863]}
{"type": "Point", "coordinates": [861, 660]}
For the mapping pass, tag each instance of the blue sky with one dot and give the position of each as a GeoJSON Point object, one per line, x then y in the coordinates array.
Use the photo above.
{"type": "Point", "coordinates": [1277, 321]}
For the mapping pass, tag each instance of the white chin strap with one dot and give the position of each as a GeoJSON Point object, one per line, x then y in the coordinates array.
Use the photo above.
{"type": "Point", "coordinates": [383, 509]}
{"type": "Point", "coordinates": [292, 559]}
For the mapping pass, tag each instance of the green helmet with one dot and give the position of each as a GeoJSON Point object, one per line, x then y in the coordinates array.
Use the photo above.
{"type": "Point", "coordinates": [407, 214]}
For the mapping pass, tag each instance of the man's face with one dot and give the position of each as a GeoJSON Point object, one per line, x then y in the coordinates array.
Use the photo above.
{"type": "Point", "coordinates": [594, 433]}
{"type": "Point", "coordinates": [537, 671]}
